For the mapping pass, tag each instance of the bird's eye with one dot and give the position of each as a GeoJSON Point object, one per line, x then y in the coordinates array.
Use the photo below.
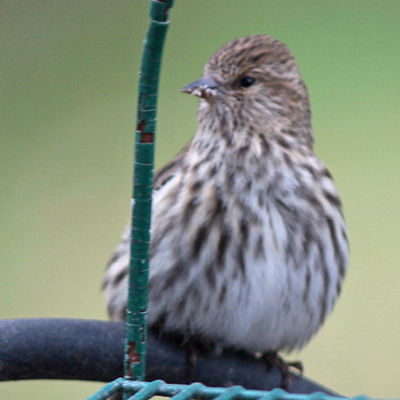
{"type": "Point", "coordinates": [246, 81]}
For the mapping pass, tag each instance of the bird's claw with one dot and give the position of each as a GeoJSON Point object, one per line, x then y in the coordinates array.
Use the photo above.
{"type": "Point", "coordinates": [274, 360]}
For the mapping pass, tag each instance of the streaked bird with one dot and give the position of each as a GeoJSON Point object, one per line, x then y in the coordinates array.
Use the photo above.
{"type": "Point", "coordinates": [249, 246]}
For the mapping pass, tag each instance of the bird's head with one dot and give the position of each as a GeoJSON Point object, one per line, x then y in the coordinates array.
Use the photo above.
{"type": "Point", "coordinates": [254, 78]}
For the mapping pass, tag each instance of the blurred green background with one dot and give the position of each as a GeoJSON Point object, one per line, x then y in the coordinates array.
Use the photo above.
{"type": "Point", "coordinates": [68, 93]}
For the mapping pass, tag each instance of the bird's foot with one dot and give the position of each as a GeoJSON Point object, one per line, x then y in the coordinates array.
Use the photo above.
{"type": "Point", "coordinates": [191, 358]}
{"type": "Point", "coordinates": [194, 347]}
{"type": "Point", "coordinates": [274, 360]}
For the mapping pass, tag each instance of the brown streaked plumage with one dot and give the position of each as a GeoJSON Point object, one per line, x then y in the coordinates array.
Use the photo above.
{"type": "Point", "coordinates": [249, 246]}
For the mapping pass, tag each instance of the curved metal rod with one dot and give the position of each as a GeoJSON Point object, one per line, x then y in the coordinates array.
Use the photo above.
{"type": "Point", "coordinates": [94, 350]}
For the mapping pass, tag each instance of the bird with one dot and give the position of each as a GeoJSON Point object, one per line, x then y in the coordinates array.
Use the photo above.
{"type": "Point", "coordinates": [249, 246]}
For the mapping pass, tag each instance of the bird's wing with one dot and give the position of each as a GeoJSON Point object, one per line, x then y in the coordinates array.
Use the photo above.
{"type": "Point", "coordinates": [114, 280]}
{"type": "Point", "coordinates": [166, 172]}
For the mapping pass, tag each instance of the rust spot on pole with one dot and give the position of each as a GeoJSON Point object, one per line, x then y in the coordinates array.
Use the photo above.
{"type": "Point", "coordinates": [140, 126]}
{"type": "Point", "coordinates": [133, 357]}
{"type": "Point", "coordinates": [145, 137]}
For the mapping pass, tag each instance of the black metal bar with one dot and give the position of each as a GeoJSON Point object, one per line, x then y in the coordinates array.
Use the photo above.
{"type": "Point", "coordinates": [93, 351]}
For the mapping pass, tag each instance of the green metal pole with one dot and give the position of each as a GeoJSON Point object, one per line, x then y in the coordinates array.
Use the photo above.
{"type": "Point", "coordinates": [136, 319]}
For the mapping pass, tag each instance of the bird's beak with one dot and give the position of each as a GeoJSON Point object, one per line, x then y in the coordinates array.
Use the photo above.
{"type": "Point", "coordinates": [204, 87]}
